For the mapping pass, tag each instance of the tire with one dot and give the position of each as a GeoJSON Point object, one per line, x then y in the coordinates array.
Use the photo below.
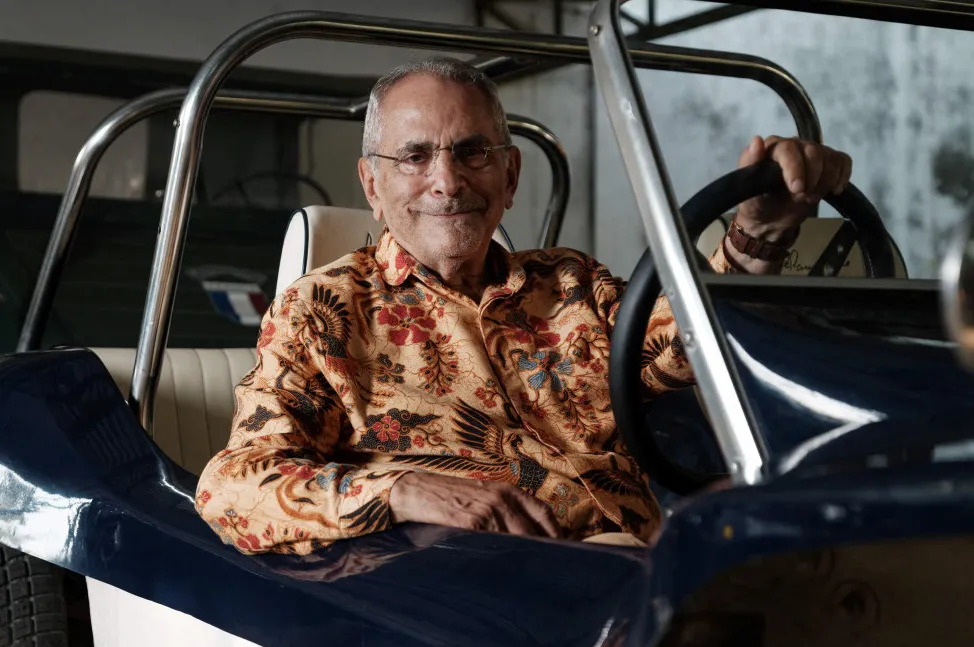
{"type": "Point", "coordinates": [33, 611]}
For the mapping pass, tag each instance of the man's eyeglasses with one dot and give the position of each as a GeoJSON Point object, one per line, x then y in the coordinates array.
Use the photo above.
{"type": "Point", "coordinates": [419, 161]}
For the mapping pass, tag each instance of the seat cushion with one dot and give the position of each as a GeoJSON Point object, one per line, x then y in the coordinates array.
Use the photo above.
{"type": "Point", "coordinates": [194, 403]}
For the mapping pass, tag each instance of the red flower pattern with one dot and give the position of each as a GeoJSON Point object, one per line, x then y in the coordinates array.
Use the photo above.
{"type": "Point", "coordinates": [249, 542]}
{"type": "Point", "coordinates": [407, 320]}
{"type": "Point", "coordinates": [266, 335]}
{"type": "Point", "coordinates": [486, 396]}
{"type": "Point", "coordinates": [539, 332]}
{"type": "Point", "coordinates": [303, 472]}
{"type": "Point", "coordinates": [387, 429]}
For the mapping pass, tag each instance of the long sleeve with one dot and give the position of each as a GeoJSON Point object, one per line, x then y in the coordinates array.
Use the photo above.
{"type": "Point", "coordinates": [664, 363]}
{"type": "Point", "coordinates": [276, 487]}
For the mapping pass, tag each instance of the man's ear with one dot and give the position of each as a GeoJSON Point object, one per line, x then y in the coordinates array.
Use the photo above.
{"type": "Point", "coordinates": [513, 174]}
{"type": "Point", "coordinates": [366, 176]}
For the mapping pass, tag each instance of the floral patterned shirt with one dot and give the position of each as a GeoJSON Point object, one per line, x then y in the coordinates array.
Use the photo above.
{"type": "Point", "coordinates": [371, 367]}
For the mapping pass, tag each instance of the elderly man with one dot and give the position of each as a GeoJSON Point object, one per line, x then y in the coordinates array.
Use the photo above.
{"type": "Point", "coordinates": [436, 378]}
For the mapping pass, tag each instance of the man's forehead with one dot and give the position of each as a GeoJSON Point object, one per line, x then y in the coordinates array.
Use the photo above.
{"type": "Point", "coordinates": [418, 86]}
{"type": "Point", "coordinates": [428, 109]}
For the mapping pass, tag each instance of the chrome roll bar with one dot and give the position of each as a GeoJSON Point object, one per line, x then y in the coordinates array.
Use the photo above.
{"type": "Point", "coordinates": [944, 14]}
{"type": "Point", "coordinates": [318, 24]}
{"type": "Point", "coordinates": [673, 251]}
{"type": "Point", "coordinates": [118, 122]}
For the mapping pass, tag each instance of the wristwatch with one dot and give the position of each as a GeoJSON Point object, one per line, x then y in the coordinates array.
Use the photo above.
{"type": "Point", "coordinates": [763, 250]}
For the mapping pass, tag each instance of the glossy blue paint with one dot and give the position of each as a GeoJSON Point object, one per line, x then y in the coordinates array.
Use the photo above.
{"type": "Point", "coordinates": [823, 394]}
{"type": "Point", "coordinates": [82, 486]}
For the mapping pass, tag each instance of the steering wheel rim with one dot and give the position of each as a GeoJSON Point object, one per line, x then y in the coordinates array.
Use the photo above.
{"type": "Point", "coordinates": [625, 366]}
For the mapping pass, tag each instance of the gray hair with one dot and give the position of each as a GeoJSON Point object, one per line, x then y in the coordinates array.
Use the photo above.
{"type": "Point", "coordinates": [440, 67]}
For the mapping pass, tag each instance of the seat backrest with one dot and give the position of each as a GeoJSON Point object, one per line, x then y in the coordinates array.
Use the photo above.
{"type": "Point", "coordinates": [318, 235]}
{"type": "Point", "coordinates": [194, 403]}
{"type": "Point", "coordinates": [816, 236]}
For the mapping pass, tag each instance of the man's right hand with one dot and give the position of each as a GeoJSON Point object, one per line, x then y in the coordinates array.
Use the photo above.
{"type": "Point", "coordinates": [470, 504]}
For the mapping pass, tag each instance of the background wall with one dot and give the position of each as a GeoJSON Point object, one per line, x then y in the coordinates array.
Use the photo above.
{"type": "Point", "coordinates": [191, 29]}
{"type": "Point", "coordinates": [895, 97]}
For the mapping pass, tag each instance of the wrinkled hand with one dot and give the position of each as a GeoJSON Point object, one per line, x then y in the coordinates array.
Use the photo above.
{"type": "Point", "coordinates": [811, 171]}
{"type": "Point", "coordinates": [470, 504]}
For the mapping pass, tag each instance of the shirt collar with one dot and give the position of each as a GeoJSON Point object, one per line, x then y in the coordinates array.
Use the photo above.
{"type": "Point", "coordinates": [396, 265]}
{"type": "Point", "coordinates": [395, 262]}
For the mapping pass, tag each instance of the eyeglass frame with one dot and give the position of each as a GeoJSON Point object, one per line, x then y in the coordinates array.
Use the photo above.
{"type": "Point", "coordinates": [452, 148]}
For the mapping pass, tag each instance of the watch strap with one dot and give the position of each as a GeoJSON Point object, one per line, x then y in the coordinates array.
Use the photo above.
{"type": "Point", "coordinates": [763, 250]}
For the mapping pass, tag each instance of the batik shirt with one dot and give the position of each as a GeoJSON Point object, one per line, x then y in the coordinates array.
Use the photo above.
{"type": "Point", "coordinates": [371, 367]}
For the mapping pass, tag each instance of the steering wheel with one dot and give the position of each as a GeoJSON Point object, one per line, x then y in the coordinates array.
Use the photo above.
{"type": "Point", "coordinates": [712, 202]}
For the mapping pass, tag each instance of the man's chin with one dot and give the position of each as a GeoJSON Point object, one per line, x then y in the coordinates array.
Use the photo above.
{"type": "Point", "coordinates": [458, 241]}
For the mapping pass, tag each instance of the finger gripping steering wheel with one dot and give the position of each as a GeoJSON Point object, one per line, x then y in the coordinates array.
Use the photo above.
{"type": "Point", "coordinates": [625, 367]}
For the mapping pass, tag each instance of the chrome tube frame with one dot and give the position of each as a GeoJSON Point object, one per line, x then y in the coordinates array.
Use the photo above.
{"type": "Point", "coordinates": [944, 14]}
{"type": "Point", "coordinates": [561, 175]}
{"type": "Point", "coordinates": [118, 122]}
{"type": "Point", "coordinates": [317, 24]}
{"type": "Point", "coordinates": [673, 252]}
{"type": "Point", "coordinates": [954, 303]}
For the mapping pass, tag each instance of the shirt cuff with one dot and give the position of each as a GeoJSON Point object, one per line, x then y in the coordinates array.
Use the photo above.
{"type": "Point", "coordinates": [722, 262]}
{"type": "Point", "coordinates": [364, 505]}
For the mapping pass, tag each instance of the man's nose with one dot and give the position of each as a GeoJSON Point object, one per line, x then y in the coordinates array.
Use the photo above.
{"type": "Point", "coordinates": [446, 175]}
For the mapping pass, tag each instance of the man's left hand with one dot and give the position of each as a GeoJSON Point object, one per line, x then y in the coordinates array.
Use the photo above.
{"type": "Point", "coordinates": [811, 171]}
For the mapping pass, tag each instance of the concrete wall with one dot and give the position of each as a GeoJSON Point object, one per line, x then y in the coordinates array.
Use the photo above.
{"type": "Point", "coordinates": [562, 100]}
{"type": "Point", "coordinates": [897, 98]}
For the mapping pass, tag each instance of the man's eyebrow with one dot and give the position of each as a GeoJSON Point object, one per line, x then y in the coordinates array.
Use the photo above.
{"type": "Point", "coordinates": [412, 146]}
{"type": "Point", "coordinates": [475, 139]}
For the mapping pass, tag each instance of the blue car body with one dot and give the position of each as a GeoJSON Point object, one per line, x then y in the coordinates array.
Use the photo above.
{"type": "Point", "coordinates": [82, 486]}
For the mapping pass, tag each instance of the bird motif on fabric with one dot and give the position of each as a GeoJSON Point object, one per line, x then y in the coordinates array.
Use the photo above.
{"type": "Point", "coordinates": [493, 455]}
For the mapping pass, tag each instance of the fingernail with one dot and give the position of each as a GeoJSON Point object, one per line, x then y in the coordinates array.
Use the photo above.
{"type": "Point", "coordinates": [797, 185]}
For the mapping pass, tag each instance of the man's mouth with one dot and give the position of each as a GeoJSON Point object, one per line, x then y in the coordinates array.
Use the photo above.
{"type": "Point", "coordinates": [447, 214]}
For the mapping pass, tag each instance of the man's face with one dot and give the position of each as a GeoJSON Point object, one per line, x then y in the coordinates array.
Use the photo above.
{"type": "Point", "coordinates": [450, 211]}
